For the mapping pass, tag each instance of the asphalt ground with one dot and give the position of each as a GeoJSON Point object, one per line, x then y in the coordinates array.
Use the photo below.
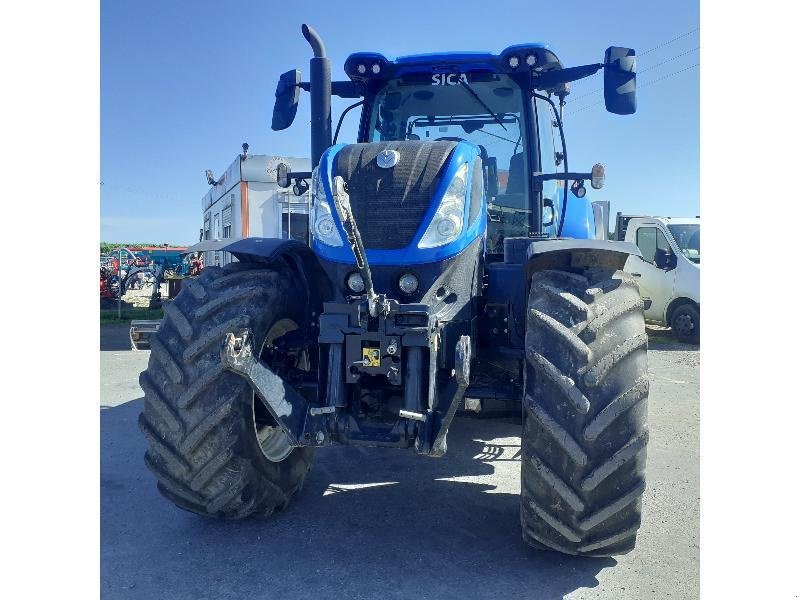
{"type": "Point", "coordinates": [378, 523]}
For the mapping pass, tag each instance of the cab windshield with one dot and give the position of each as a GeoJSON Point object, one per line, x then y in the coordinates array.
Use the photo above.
{"type": "Point", "coordinates": [688, 239]}
{"type": "Point", "coordinates": [485, 109]}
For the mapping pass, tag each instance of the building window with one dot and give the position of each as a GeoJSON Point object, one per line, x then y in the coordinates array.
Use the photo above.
{"type": "Point", "coordinates": [227, 224]}
{"type": "Point", "coordinates": [294, 226]}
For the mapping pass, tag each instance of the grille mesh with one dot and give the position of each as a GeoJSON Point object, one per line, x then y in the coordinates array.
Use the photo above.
{"type": "Point", "coordinates": [389, 204]}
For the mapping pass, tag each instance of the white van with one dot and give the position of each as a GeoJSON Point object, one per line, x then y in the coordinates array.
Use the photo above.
{"type": "Point", "coordinates": [668, 271]}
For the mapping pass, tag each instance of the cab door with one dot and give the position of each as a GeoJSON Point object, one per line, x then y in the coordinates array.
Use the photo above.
{"type": "Point", "coordinates": [656, 285]}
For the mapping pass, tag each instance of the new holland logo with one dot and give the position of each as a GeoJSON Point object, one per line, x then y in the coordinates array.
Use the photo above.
{"type": "Point", "coordinates": [388, 158]}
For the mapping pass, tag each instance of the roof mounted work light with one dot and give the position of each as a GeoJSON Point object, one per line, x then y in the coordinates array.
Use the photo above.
{"type": "Point", "coordinates": [365, 65]}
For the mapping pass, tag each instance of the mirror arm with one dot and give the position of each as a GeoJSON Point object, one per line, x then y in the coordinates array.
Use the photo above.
{"type": "Point", "coordinates": [348, 89]}
{"type": "Point", "coordinates": [550, 79]}
{"type": "Point", "coordinates": [342, 89]}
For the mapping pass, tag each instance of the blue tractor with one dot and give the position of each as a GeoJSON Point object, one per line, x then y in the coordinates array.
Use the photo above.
{"type": "Point", "coordinates": [452, 266]}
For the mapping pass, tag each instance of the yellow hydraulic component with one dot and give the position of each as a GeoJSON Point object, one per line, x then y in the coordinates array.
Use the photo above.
{"type": "Point", "coordinates": [371, 357]}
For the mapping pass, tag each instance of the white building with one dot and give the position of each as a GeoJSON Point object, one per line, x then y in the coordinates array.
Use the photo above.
{"type": "Point", "coordinates": [247, 202]}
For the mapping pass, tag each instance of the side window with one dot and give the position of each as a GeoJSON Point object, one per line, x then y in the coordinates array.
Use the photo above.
{"type": "Point", "coordinates": [549, 145]}
{"type": "Point", "coordinates": [349, 130]}
{"type": "Point", "coordinates": [547, 136]}
{"type": "Point", "coordinates": [646, 240]}
{"type": "Point", "coordinates": [661, 242]}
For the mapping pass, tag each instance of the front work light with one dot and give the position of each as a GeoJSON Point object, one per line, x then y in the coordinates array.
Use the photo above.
{"type": "Point", "coordinates": [448, 221]}
{"type": "Point", "coordinates": [408, 283]}
{"type": "Point", "coordinates": [355, 282]}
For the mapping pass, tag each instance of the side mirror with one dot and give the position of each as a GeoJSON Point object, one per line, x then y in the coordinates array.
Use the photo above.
{"type": "Point", "coordinates": [598, 176]}
{"type": "Point", "coordinates": [619, 80]}
{"type": "Point", "coordinates": [282, 175]}
{"type": "Point", "coordinates": [665, 259]}
{"type": "Point", "coordinates": [287, 97]}
{"type": "Point", "coordinates": [548, 212]}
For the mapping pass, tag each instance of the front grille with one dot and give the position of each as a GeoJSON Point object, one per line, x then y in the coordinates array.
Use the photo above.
{"type": "Point", "coordinates": [389, 204]}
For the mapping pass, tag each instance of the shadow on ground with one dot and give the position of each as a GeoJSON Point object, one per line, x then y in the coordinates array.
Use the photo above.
{"type": "Point", "coordinates": [409, 534]}
{"type": "Point", "coordinates": [660, 338]}
{"type": "Point", "coordinates": [115, 337]}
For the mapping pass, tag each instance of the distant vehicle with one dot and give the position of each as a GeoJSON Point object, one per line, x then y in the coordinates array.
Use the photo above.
{"type": "Point", "coordinates": [668, 271]}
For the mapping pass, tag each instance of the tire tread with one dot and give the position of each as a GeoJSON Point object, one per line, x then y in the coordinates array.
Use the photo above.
{"type": "Point", "coordinates": [197, 417]}
{"type": "Point", "coordinates": [585, 436]}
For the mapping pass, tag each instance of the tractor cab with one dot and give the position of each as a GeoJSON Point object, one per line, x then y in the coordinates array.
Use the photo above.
{"type": "Point", "coordinates": [507, 105]}
{"type": "Point", "coordinates": [475, 98]}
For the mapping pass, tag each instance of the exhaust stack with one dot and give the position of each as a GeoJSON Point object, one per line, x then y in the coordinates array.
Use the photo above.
{"type": "Point", "coordinates": [320, 67]}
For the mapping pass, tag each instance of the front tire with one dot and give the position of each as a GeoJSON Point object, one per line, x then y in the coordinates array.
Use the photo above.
{"type": "Point", "coordinates": [211, 444]}
{"type": "Point", "coordinates": [685, 324]}
{"type": "Point", "coordinates": [585, 405]}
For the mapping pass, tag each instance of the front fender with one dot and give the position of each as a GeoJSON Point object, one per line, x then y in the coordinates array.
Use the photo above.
{"type": "Point", "coordinates": [568, 253]}
{"type": "Point", "coordinates": [297, 254]}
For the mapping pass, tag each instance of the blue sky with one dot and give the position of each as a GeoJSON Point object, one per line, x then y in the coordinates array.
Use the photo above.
{"type": "Point", "coordinates": [183, 84]}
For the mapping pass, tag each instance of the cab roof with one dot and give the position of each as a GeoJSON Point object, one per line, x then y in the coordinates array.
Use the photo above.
{"type": "Point", "coordinates": [544, 59]}
{"type": "Point", "coordinates": [670, 220]}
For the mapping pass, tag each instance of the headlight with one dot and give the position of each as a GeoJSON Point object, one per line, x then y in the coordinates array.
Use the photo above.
{"type": "Point", "coordinates": [355, 283]}
{"type": "Point", "coordinates": [324, 227]}
{"type": "Point", "coordinates": [448, 221]}
{"type": "Point", "coordinates": [408, 283]}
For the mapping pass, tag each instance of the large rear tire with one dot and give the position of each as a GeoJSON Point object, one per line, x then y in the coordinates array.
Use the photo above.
{"type": "Point", "coordinates": [585, 407]}
{"type": "Point", "coordinates": [211, 444]}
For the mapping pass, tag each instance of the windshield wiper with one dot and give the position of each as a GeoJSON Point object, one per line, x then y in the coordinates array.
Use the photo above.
{"type": "Point", "coordinates": [468, 87]}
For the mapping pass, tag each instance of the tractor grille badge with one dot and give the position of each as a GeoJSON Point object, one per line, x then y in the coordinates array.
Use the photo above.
{"type": "Point", "coordinates": [388, 158]}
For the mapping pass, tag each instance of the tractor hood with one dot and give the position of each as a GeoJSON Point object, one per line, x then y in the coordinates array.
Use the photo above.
{"type": "Point", "coordinates": [415, 202]}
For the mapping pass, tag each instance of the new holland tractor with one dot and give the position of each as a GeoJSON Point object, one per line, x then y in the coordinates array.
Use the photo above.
{"type": "Point", "coordinates": [452, 265]}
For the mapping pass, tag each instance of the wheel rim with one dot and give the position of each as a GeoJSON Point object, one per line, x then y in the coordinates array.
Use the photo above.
{"type": "Point", "coordinates": [684, 325]}
{"type": "Point", "coordinates": [274, 443]}
{"type": "Point", "coordinates": [272, 440]}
